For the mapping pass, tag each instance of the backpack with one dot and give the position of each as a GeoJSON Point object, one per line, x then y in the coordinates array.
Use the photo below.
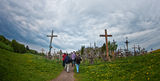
{"type": "Point", "coordinates": [67, 59]}
{"type": "Point", "coordinates": [78, 59]}
{"type": "Point", "coordinates": [70, 60]}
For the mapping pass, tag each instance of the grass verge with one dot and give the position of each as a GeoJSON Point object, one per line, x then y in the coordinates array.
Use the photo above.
{"type": "Point", "coordinates": [138, 68]}
{"type": "Point", "coordinates": [27, 67]}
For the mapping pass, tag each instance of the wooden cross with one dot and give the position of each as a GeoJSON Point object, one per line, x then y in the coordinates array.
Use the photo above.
{"type": "Point", "coordinates": [126, 43]}
{"type": "Point", "coordinates": [134, 49]}
{"type": "Point", "coordinates": [106, 37]}
{"type": "Point", "coordinates": [50, 46]}
{"type": "Point", "coordinates": [42, 50]}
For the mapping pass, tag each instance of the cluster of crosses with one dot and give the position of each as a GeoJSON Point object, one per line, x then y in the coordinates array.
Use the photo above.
{"type": "Point", "coordinates": [50, 46]}
{"type": "Point", "coordinates": [106, 38]}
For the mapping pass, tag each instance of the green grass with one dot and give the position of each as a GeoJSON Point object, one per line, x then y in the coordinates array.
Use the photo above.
{"type": "Point", "coordinates": [27, 67]}
{"type": "Point", "coordinates": [139, 68]}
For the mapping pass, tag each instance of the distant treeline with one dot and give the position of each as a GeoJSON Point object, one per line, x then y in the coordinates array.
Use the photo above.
{"type": "Point", "coordinates": [15, 46]}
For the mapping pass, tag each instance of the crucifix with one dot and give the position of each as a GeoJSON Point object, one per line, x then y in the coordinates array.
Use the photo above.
{"type": "Point", "coordinates": [50, 46]}
{"type": "Point", "coordinates": [134, 50]}
{"type": "Point", "coordinates": [126, 43]}
{"type": "Point", "coordinates": [106, 36]}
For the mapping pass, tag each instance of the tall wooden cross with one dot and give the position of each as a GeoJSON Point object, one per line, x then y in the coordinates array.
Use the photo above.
{"type": "Point", "coordinates": [50, 46]}
{"type": "Point", "coordinates": [106, 37]}
{"type": "Point", "coordinates": [126, 43]}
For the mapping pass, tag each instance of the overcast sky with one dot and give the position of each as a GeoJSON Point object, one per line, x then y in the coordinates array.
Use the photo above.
{"type": "Point", "coordinates": [80, 22]}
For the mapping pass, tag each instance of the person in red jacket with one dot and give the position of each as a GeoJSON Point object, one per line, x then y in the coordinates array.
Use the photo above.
{"type": "Point", "coordinates": [64, 56]}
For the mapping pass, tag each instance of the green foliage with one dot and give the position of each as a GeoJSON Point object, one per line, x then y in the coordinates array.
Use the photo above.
{"type": "Point", "coordinates": [11, 46]}
{"type": "Point", "coordinates": [27, 67]}
{"type": "Point", "coordinates": [17, 47]}
{"type": "Point", "coordinates": [139, 68]}
{"type": "Point", "coordinates": [5, 43]}
{"type": "Point", "coordinates": [6, 47]}
{"type": "Point", "coordinates": [111, 47]}
{"type": "Point", "coordinates": [27, 47]}
{"type": "Point", "coordinates": [4, 40]}
{"type": "Point", "coordinates": [103, 48]}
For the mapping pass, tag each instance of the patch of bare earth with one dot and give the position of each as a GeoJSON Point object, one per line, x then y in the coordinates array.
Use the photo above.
{"type": "Point", "coordinates": [64, 76]}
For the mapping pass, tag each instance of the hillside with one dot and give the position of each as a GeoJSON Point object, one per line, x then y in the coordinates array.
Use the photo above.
{"type": "Point", "coordinates": [27, 67]}
{"type": "Point", "coordinates": [138, 68]}
{"type": "Point", "coordinates": [14, 46]}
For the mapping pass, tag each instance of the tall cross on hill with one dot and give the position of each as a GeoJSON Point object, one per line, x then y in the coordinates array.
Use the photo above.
{"type": "Point", "coordinates": [50, 46]}
{"type": "Point", "coordinates": [106, 37]}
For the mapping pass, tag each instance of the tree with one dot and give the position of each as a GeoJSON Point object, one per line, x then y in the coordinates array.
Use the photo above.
{"type": "Point", "coordinates": [111, 47]}
{"type": "Point", "coordinates": [27, 47]}
{"type": "Point", "coordinates": [4, 40]}
{"type": "Point", "coordinates": [103, 48]}
{"type": "Point", "coordinates": [17, 47]}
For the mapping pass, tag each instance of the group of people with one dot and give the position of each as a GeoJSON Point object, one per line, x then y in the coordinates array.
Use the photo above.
{"type": "Point", "coordinates": [72, 58]}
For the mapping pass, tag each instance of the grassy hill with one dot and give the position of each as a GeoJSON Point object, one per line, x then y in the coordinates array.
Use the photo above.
{"type": "Point", "coordinates": [139, 68]}
{"type": "Point", "coordinates": [5, 46]}
{"type": "Point", "coordinates": [27, 67]}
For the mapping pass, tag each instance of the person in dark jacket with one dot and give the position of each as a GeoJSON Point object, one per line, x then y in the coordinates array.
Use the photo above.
{"type": "Point", "coordinates": [78, 61]}
{"type": "Point", "coordinates": [67, 61]}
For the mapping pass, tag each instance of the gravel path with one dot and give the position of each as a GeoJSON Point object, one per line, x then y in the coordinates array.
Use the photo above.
{"type": "Point", "coordinates": [64, 76]}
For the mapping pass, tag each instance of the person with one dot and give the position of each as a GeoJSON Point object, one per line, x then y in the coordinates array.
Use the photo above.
{"type": "Point", "coordinates": [77, 60]}
{"type": "Point", "coordinates": [67, 61]}
{"type": "Point", "coordinates": [73, 58]}
{"type": "Point", "coordinates": [64, 55]}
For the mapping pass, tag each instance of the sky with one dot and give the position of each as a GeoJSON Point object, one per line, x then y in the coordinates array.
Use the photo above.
{"type": "Point", "coordinates": [80, 22]}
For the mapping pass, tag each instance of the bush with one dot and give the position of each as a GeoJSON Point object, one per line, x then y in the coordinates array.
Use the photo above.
{"type": "Point", "coordinates": [17, 47]}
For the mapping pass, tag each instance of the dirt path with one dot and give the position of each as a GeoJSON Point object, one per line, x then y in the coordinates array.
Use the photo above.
{"type": "Point", "coordinates": [64, 76]}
